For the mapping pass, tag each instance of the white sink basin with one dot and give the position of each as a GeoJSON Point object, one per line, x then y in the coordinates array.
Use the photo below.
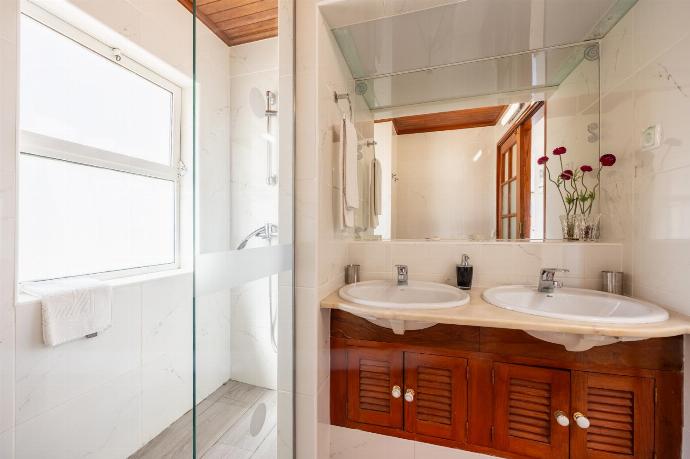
{"type": "Point", "coordinates": [575, 304]}
{"type": "Point", "coordinates": [387, 295]}
{"type": "Point", "coordinates": [578, 305]}
{"type": "Point", "coordinates": [415, 295]}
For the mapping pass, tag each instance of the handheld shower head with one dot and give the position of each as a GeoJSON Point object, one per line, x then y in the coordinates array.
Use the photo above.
{"type": "Point", "coordinates": [267, 231]}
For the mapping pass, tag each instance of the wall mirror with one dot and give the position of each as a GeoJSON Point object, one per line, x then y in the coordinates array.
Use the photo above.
{"type": "Point", "coordinates": [458, 147]}
{"type": "Point", "coordinates": [462, 115]}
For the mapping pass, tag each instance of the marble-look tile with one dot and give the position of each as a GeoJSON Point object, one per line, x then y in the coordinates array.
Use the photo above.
{"type": "Point", "coordinates": [9, 12]}
{"type": "Point", "coordinates": [305, 427]}
{"type": "Point", "coordinates": [105, 423]}
{"type": "Point", "coordinates": [357, 444]}
{"type": "Point", "coordinates": [254, 360]}
{"type": "Point", "coordinates": [166, 352]}
{"type": "Point", "coordinates": [307, 315]}
{"type": "Point", "coordinates": [285, 426]}
{"type": "Point", "coordinates": [662, 97]}
{"type": "Point", "coordinates": [658, 24]}
{"type": "Point", "coordinates": [495, 263]}
{"type": "Point", "coordinates": [257, 56]}
{"type": "Point", "coordinates": [285, 364]}
{"type": "Point", "coordinates": [616, 55]}
{"type": "Point", "coordinates": [427, 450]}
{"type": "Point", "coordinates": [7, 443]}
{"type": "Point", "coordinates": [8, 128]}
{"type": "Point", "coordinates": [50, 376]}
{"type": "Point", "coordinates": [213, 355]}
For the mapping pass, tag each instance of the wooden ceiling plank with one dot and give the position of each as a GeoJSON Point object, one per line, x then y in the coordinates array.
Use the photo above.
{"type": "Point", "coordinates": [206, 21]}
{"type": "Point", "coordinates": [249, 19]}
{"type": "Point", "coordinates": [254, 37]}
{"type": "Point", "coordinates": [244, 20]}
{"type": "Point", "coordinates": [245, 10]}
{"type": "Point", "coordinates": [247, 29]}
{"type": "Point", "coordinates": [445, 121]}
{"type": "Point", "coordinates": [222, 5]}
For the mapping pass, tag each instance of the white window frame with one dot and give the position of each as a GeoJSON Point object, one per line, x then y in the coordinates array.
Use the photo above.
{"type": "Point", "coordinates": [31, 143]}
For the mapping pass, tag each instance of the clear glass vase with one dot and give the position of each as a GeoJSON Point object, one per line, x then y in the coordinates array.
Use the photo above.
{"type": "Point", "coordinates": [588, 227]}
{"type": "Point", "coordinates": [569, 226]}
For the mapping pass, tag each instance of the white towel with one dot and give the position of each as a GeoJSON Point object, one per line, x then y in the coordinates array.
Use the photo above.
{"type": "Point", "coordinates": [375, 193]}
{"type": "Point", "coordinates": [362, 218]}
{"type": "Point", "coordinates": [72, 308]}
{"type": "Point", "coordinates": [348, 141]}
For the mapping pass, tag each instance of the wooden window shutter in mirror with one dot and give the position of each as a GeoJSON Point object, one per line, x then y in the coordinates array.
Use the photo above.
{"type": "Point", "coordinates": [372, 375]}
{"type": "Point", "coordinates": [620, 410]}
{"type": "Point", "coordinates": [526, 399]}
{"type": "Point", "coordinates": [438, 407]}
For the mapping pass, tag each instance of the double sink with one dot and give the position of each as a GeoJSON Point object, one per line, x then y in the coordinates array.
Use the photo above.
{"type": "Point", "coordinates": [567, 304]}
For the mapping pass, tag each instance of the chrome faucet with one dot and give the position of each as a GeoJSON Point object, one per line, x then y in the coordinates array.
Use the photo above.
{"type": "Point", "coordinates": [402, 274]}
{"type": "Point", "coordinates": [546, 281]}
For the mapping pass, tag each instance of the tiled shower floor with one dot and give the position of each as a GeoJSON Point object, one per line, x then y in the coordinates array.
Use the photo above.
{"type": "Point", "coordinates": [229, 426]}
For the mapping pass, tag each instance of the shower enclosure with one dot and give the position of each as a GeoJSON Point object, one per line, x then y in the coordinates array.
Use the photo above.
{"type": "Point", "coordinates": [243, 263]}
{"type": "Point", "coordinates": [155, 162]}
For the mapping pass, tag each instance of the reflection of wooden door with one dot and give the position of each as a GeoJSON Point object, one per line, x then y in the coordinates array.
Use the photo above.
{"type": "Point", "coordinates": [513, 179]}
{"type": "Point", "coordinates": [513, 184]}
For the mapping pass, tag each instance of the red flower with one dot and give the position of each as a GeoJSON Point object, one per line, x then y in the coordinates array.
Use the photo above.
{"type": "Point", "coordinates": [542, 160]}
{"type": "Point", "coordinates": [567, 174]}
{"type": "Point", "coordinates": [559, 151]}
{"type": "Point", "coordinates": [607, 160]}
{"type": "Point", "coordinates": [586, 168]}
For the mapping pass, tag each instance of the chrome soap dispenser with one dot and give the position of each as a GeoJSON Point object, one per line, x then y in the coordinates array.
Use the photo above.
{"type": "Point", "coordinates": [464, 273]}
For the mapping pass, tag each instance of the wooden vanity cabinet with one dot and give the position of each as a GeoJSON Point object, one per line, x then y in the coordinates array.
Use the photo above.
{"type": "Point", "coordinates": [620, 410]}
{"type": "Point", "coordinates": [428, 398]}
{"type": "Point", "coordinates": [525, 400]}
{"type": "Point", "coordinates": [459, 392]}
{"type": "Point", "coordinates": [437, 387]}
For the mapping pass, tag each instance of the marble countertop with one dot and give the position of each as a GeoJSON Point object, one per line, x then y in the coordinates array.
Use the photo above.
{"type": "Point", "coordinates": [482, 314]}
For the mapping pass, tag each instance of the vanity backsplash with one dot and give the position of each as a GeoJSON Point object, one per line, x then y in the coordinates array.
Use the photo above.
{"type": "Point", "coordinates": [495, 263]}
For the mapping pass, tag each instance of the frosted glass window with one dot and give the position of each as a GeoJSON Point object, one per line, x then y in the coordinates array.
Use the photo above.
{"type": "Point", "coordinates": [72, 93]}
{"type": "Point", "coordinates": [77, 219]}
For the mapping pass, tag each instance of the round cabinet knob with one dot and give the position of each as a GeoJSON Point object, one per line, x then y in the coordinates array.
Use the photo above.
{"type": "Point", "coordinates": [561, 418]}
{"type": "Point", "coordinates": [409, 395]}
{"type": "Point", "coordinates": [581, 420]}
{"type": "Point", "coordinates": [396, 392]}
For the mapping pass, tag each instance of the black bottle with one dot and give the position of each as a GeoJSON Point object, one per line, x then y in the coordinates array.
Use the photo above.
{"type": "Point", "coordinates": [464, 273]}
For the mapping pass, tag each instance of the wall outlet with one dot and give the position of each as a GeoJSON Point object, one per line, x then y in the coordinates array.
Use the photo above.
{"type": "Point", "coordinates": [651, 137]}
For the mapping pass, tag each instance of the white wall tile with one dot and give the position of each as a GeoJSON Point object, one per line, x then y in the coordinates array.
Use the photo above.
{"type": "Point", "coordinates": [426, 450]}
{"type": "Point", "coordinates": [105, 423]}
{"type": "Point", "coordinates": [253, 359]}
{"type": "Point", "coordinates": [357, 444]}
{"type": "Point", "coordinates": [212, 342]}
{"type": "Point", "coordinates": [166, 352]}
{"type": "Point", "coordinates": [305, 427]}
{"type": "Point", "coordinates": [495, 263]}
{"type": "Point", "coordinates": [49, 376]}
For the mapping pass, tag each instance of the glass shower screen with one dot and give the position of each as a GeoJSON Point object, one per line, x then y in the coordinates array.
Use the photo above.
{"type": "Point", "coordinates": [243, 269]}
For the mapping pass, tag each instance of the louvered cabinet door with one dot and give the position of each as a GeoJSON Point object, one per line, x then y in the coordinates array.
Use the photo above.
{"type": "Point", "coordinates": [437, 406]}
{"type": "Point", "coordinates": [372, 374]}
{"type": "Point", "coordinates": [620, 410]}
{"type": "Point", "coordinates": [526, 399]}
